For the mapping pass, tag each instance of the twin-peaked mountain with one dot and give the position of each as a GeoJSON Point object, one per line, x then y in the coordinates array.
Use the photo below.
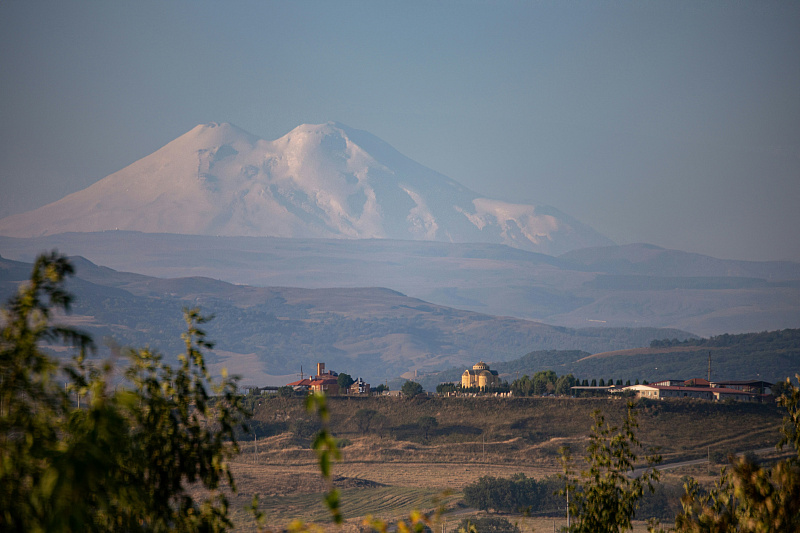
{"type": "Point", "coordinates": [317, 181]}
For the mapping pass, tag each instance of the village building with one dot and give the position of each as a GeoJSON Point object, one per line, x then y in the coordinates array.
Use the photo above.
{"type": "Point", "coordinates": [327, 382]}
{"type": "Point", "coordinates": [359, 386]}
{"type": "Point", "coordinates": [587, 390]}
{"type": "Point", "coordinates": [480, 376]}
{"type": "Point", "coordinates": [328, 385]}
{"type": "Point", "coordinates": [660, 392]}
{"type": "Point", "coordinates": [670, 383]}
{"type": "Point", "coordinates": [300, 385]}
{"type": "Point", "coordinates": [697, 382]}
{"type": "Point", "coordinates": [752, 386]}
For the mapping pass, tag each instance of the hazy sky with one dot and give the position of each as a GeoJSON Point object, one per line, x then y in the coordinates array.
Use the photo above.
{"type": "Point", "coordinates": [673, 123]}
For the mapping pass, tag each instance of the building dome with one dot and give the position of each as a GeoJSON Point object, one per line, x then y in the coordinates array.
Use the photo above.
{"type": "Point", "coordinates": [480, 366]}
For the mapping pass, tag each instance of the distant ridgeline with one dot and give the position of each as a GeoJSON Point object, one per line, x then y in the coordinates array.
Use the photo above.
{"type": "Point", "coordinates": [769, 355]}
{"type": "Point", "coordinates": [784, 339]}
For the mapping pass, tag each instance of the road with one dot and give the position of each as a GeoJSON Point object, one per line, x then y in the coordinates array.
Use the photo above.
{"type": "Point", "coordinates": [704, 460]}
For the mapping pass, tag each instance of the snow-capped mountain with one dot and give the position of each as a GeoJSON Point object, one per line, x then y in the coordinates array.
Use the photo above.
{"type": "Point", "coordinates": [325, 180]}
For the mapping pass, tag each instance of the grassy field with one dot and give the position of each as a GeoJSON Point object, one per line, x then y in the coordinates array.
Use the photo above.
{"type": "Point", "coordinates": [391, 468]}
{"type": "Point", "coordinates": [521, 431]}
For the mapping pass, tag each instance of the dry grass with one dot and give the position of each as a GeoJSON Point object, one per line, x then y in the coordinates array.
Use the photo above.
{"type": "Point", "coordinates": [522, 431]}
{"type": "Point", "coordinates": [392, 469]}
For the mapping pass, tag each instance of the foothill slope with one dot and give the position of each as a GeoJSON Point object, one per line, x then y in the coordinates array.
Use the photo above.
{"type": "Point", "coordinates": [267, 333]}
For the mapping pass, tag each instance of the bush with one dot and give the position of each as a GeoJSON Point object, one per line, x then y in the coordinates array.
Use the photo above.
{"type": "Point", "coordinates": [487, 524]}
{"type": "Point", "coordinates": [304, 429]}
{"type": "Point", "coordinates": [514, 495]}
{"type": "Point", "coordinates": [427, 424]}
{"type": "Point", "coordinates": [411, 389]}
{"type": "Point", "coordinates": [443, 388]}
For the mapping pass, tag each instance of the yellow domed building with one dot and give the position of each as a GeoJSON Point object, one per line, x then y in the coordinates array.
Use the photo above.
{"type": "Point", "coordinates": [480, 376]}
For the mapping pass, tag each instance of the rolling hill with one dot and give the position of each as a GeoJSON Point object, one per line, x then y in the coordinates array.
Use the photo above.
{"type": "Point", "coordinates": [620, 286]}
{"type": "Point", "coordinates": [267, 333]}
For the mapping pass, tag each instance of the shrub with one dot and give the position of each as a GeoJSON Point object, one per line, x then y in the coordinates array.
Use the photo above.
{"type": "Point", "coordinates": [411, 389]}
{"type": "Point", "coordinates": [487, 524]}
{"type": "Point", "coordinates": [514, 495]}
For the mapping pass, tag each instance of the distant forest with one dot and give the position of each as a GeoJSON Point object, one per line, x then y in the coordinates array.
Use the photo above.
{"type": "Point", "coordinates": [783, 339]}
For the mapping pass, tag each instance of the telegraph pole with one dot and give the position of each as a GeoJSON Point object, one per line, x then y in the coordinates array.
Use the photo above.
{"type": "Point", "coordinates": [567, 506]}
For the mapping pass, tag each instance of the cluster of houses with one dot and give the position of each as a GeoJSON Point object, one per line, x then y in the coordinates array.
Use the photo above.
{"type": "Point", "coordinates": [480, 376]}
{"type": "Point", "coordinates": [740, 391]}
{"type": "Point", "coordinates": [703, 389]}
{"type": "Point", "coordinates": [328, 382]}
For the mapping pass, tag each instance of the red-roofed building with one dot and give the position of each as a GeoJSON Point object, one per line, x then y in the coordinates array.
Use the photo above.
{"type": "Point", "coordinates": [697, 382]}
{"type": "Point", "coordinates": [328, 385]}
{"type": "Point", "coordinates": [300, 385]}
{"type": "Point", "coordinates": [753, 386]}
{"type": "Point", "coordinates": [327, 382]}
{"type": "Point", "coordinates": [660, 392]}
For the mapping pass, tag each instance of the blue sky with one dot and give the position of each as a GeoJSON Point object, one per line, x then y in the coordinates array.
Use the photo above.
{"type": "Point", "coordinates": [673, 123]}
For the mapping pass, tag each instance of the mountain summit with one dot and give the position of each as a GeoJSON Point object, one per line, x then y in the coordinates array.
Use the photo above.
{"type": "Point", "coordinates": [327, 181]}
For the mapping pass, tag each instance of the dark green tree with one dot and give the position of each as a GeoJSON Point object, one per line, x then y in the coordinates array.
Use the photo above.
{"type": "Point", "coordinates": [544, 381]}
{"type": "Point", "coordinates": [564, 383]}
{"type": "Point", "coordinates": [411, 389]}
{"type": "Point", "coordinates": [427, 424]}
{"type": "Point", "coordinates": [443, 388]}
{"type": "Point", "coordinates": [516, 494]}
{"type": "Point", "coordinates": [344, 381]}
{"type": "Point", "coordinates": [522, 386]}
{"type": "Point", "coordinates": [487, 524]}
